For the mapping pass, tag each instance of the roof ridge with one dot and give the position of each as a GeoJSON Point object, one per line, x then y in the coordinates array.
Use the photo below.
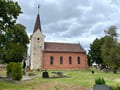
{"type": "Point", "coordinates": [62, 43]}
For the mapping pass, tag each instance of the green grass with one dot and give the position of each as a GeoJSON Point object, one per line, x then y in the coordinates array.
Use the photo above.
{"type": "Point", "coordinates": [79, 78]}
{"type": "Point", "coordinates": [85, 78]}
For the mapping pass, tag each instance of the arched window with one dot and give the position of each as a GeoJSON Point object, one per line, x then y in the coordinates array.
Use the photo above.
{"type": "Point", "coordinates": [70, 60]}
{"type": "Point", "coordinates": [78, 59]}
{"type": "Point", "coordinates": [51, 60]}
{"type": "Point", "coordinates": [61, 60]}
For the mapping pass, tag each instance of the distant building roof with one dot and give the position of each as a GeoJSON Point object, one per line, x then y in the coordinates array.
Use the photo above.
{"type": "Point", "coordinates": [62, 47]}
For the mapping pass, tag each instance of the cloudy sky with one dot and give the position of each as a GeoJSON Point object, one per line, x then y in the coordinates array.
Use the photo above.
{"type": "Point", "coordinates": [76, 21]}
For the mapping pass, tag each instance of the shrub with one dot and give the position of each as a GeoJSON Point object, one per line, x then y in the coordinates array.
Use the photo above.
{"type": "Point", "coordinates": [100, 81]}
{"type": "Point", "coordinates": [17, 71]}
{"type": "Point", "coordinates": [9, 69]}
{"type": "Point", "coordinates": [115, 88]}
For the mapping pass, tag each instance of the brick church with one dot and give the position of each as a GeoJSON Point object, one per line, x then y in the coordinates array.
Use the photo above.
{"type": "Point", "coordinates": [53, 55]}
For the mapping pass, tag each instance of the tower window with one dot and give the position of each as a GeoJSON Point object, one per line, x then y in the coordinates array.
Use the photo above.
{"type": "Point", "coordinates": [51, 60]}
{"type": "Point", "coordinates": [78, 60]}
{"type": "Point", "coordinates": [61, 60]}
{"type": "Point", "coordinates": [38, 38]}
{"type": "Point", "coordinates": [70, 60]}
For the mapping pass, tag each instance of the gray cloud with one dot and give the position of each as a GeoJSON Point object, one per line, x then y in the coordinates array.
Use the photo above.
{"type": "Point", "coordinates": [71, 20]}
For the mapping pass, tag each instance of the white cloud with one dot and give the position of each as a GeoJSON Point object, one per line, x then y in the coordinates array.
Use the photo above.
{"type": "Point", "coordinates": [71, 20]}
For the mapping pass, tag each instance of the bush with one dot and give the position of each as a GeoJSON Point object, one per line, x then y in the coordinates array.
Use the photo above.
{"type": "Point", "coordinates": [100, 81]}
{"type": "Point", "coordinates": [9, 69]}
{"type": "Point", "coordinates": [14, 70]}
{"type": "Point", "coordinates": [17, 71]}
{"type": "Point", "coordinates": [115, 88]}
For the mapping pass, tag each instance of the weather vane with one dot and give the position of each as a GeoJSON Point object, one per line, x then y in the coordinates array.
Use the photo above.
{"type": "Point", "coordinates": [38, 8]}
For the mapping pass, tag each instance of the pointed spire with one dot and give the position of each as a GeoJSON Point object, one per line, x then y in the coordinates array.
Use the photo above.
{"type": "Point", "coordinates": [37, 23]}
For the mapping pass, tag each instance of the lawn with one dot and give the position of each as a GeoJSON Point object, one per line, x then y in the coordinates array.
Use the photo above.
{"type": "Point", "coordinates": [82, 78]}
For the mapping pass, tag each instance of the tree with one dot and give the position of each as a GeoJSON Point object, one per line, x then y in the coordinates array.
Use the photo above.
{"type": "Point", "coordinates": [17, 34]}
{"type": "Point", "coordinates": [111, 49]}
{"type": "Point", "coordinates": [9, 11]}
{"type": "Point", "coordinates": [95, 51]}
{"type": "Point", "coordinates": [13, 37]}
{"type": "Point", "coordinates": [15, 53]}
{"type": "Point", "coordinates": [16, 44]}
{"type": "Point", "coordinates": [111, 32]}
{"type": "Point", "coordinates": [89, 59]}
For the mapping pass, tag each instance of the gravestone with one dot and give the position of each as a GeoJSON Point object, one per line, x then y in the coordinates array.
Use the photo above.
{"type": "Point", "coordinates": [59, 74]}
{"type": "Point", "coordinates": [45, 74]}
{"type": "Point", "coordinates": [92, 72]}
{"type": "Point", "coordinates": [101, 87]}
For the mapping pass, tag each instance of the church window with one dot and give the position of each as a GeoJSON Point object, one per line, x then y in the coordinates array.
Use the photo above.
{"type": "Point", "coordinates": [51, 60]}
{"type": "Point", "coordinates": [70, 60]}
{"type": "Point", "coordinates": [78, 60]}
{"type": "Point", "coordinates": [61, 60]}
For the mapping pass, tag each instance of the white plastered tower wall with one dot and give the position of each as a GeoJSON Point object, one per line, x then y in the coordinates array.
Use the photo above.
{"type": "Point", "coordinates": [36, 46]}
{"type": "Point", "coordinates": [36, 50]}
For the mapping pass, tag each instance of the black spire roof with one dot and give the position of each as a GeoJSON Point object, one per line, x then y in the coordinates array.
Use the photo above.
{"type": "Point", "coordinates": [37, 24]}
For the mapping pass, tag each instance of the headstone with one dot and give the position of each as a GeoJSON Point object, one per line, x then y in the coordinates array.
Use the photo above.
{"type": "Point", "coordinates": [45, 74]}
{"type": "Point", "coordinates": [92, 72]}
{"type": "Point", "coordinates": [31, 74]}
{"type": "Point", "coordinates": [101, 87]}
{"type": "Point", "coordinates": [59, 74]}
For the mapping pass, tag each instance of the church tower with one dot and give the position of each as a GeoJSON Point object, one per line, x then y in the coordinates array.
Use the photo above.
{"type": "Point", "coordinates": [36, 45]}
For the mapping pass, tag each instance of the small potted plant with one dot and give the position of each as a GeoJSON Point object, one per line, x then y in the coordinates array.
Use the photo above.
{"type": "Point", "coordinates": [100, 84]}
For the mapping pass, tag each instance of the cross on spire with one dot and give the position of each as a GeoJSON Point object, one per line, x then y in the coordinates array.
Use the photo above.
{"type": "Point", "coordinates": [37, 23]}
{"type": "Point", "coordinates": [38, 8]}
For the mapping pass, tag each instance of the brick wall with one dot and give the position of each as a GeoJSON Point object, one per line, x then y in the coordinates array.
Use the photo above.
{"type": "Point", "coordinates": [56, 64]}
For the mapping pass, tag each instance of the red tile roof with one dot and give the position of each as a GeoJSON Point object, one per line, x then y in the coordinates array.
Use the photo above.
{"type": "Point", "coordinates": [62, 47]}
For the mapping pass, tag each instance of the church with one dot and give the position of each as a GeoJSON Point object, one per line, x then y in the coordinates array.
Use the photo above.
{"type": "Point", "coordinates": [53, 55]}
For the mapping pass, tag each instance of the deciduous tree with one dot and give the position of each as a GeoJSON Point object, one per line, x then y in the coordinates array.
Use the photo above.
{"type": "Point", "coordinates": [13, 38]}
{"type": "Point", "coordinates": [111, 49]}
{"type": "Point", "coordinates": [95, 51]}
